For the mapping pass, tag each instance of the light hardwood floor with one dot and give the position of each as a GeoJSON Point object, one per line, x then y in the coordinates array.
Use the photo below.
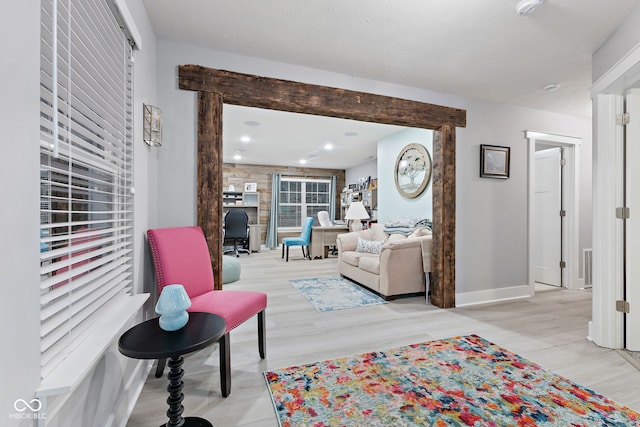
{"type": "Point", "coordinates": [549, 329]}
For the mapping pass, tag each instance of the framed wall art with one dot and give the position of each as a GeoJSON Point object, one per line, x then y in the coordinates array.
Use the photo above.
{"type": "Point", "coordinates": [494, 161]}
{"type": "Point", "coordinates": [413, 170]}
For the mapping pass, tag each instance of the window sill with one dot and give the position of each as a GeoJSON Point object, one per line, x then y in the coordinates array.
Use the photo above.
{"type": "Point", "coordinates": [71, 372]}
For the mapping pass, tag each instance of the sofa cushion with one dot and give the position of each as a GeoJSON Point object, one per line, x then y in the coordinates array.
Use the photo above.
{"type": "Point", "coordinates": [377, 232]}
{"type": "Point", "coordinates": [368, 246]}
{"type": "Point", "coordinates": [351, 257]}
{"type": "Point", "coordinates": [370, 263]}
{"type": "Point", "coordinates": [396, 237]}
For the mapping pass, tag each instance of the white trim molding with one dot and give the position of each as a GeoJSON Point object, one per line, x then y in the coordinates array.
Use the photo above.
{"type": "Point", "coordinates": [618, 77]}
{"type": "Point", "coordinates": [606, 327]}
{"type": "Point", "coordinates": [492, 295]}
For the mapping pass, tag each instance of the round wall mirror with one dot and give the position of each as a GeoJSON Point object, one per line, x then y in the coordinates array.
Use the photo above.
{"type": "Point", "coordinates": [413, 170]}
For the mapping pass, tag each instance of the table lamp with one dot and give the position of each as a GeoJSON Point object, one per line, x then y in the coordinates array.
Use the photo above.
{"type": "Point", "coordinates": [356, 213]}
{"type": "Point", "coordinates": [172, 307]}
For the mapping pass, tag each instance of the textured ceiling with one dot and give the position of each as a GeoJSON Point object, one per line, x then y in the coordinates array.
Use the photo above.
{"type": "Point", "coordinates": [479, 49]}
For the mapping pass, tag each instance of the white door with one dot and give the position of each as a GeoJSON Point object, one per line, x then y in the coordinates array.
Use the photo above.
{"type": "Point", "coordinates": [547, 224]}
{"type": "Point", "coordinates": [632, 232]}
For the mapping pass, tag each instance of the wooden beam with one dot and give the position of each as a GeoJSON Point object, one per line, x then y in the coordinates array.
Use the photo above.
{"type": "Point", "coordinates": [216, 87]}
{"type": "Point", "coordinates": [261, 92]}
{"type": "Point", "coordinates": [443, 251]}
{"type": "Point", "coordinates": [210, 177]}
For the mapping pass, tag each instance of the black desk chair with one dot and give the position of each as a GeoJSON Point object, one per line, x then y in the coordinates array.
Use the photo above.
{"type": "Point", "coordinates": [236, 229]}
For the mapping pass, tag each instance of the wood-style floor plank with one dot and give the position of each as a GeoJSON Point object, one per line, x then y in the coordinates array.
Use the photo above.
{"type": "Point", "coordinates": [549, 329]}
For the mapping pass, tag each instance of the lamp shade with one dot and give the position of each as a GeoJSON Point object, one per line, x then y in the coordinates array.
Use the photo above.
{"type": "Point", "coordinates": [356, 211]}
{"type": "Point", "coordinates": [172, 305]}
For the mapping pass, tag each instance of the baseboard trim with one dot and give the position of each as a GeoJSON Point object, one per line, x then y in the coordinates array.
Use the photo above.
{"type": "Point", "coordinates": [492, 295]}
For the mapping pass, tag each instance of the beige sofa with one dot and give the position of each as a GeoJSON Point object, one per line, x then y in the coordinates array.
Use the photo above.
{"type": "Point", "coordinates": [399, 268]}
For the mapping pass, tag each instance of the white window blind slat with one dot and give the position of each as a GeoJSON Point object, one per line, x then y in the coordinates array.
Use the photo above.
{"type": "Point", "coordinates": [79, 269]}
{"type": "Point", "coordinates": [55, 314]}
{"type": "Point", "coordinates": [77, 330]}
{"type": "Point", "coordinates": [110, 280]}
{"type": "Point", "coordinates": [81, 255]}
{"type": "Point", "coordinates": [56, 253]}
{"type": "Point", "coordinates": [86, 171]}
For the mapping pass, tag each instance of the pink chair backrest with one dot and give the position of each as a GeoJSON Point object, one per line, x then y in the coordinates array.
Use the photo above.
{"type": "Point", "coordinates": [181, 255]}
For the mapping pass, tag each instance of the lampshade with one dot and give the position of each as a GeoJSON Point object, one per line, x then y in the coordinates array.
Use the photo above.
{"type": "Point", "coordinates": [356, 211]}
{"type": "Point", "coordinates": [171, 306]}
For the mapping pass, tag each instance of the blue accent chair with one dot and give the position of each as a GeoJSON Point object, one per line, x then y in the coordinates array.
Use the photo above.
{"type": "Point", "coordinates": [302, 240]}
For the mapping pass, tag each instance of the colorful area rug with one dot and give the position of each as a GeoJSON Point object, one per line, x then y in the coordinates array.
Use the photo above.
{"type": "Point", "coordinates": [335, 293]}
{"type": "Point", "coordinates": [461, 381]}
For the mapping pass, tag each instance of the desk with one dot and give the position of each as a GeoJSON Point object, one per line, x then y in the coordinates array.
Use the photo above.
{"type": "Point", "coordinates": [323, 237]}
{"type": "Point", "coordinates": [148, 341]}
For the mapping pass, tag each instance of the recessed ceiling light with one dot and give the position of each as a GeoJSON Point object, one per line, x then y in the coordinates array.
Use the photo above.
{"type": "Point", "coordinates": [303, 161]}
{"type": "Point", "coordinates": [552, 87]}
{"type": "Point", "coordinates": [328, 146]}
{"type": "Point", "coordinates": [237, 157]}
{"type": "Point", "coordinates": [245, 138]}
{"type": "Point", "coordinates": [351, 134]}
{"type": "Point", "coordinates": [252, 123]}
{"type": "Point", "coordinates": [525, 7]}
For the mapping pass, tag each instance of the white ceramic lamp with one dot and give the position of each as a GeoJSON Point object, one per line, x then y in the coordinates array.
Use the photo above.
{"type": "Point", "coordinates": [356, 213]}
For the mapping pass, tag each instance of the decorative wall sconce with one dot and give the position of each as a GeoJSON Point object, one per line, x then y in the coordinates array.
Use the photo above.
{"type": "Point", "coordinates": [152, 126]}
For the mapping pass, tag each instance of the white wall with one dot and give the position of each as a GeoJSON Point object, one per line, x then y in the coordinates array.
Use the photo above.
{"type": "Point", "coordinates": [19, 260]}
{"type": "Point", "coordinates": [391, 204]}
{"type": "Point", "coordinates": [625, 38]}
{"type": "Point", "coordinates": [352, 175]}
{"type": "Point", "coordinates": [110, 390]}
{"type": "Point", "coordinates": [491, 214]}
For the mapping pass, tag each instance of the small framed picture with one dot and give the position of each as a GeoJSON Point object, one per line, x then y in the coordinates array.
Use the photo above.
{"type": "Point", "coordinates": [494, 161]}
{"type": "Point", "coordinates": [250, 187]}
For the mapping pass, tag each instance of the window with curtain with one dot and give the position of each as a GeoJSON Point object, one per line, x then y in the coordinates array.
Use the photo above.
{"type": "Point", "coordinates": [300, 198]}
{"type": "Point", "coordinates": [86, 171]}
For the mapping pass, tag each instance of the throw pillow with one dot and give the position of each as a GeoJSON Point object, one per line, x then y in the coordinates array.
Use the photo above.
{"type": "Point", "coordinates": [368, 246]}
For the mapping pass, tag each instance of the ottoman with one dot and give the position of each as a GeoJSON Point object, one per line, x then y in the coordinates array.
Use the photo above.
{"type": "Point", "coordinates": [230, 269]}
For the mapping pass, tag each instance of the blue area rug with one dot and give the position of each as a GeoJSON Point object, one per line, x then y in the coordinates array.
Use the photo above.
{"type": "Point", "coordinates": [335, 293]}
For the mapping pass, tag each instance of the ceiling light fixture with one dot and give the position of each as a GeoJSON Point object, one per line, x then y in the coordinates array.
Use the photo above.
{"type": "Point", "coordinates": [328, 146]}
{"type": "Point", "coordinates": [525, 7]}
{"type": "Point", "coordinates": [351, 134]}
{"type": "Point", "coordinates": [552, 87]}
{"type": "Point", "coordinates": [237, 156]}
{"type": "Point", "coordinates": [303, 162]}
{"type": "Point", "coordinates": [252, 123]}
{"type": "Point", "coordinates": [245, 139]}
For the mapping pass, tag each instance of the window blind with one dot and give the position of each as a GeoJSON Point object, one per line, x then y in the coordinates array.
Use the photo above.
{"type": "Point", "coordinates": [86, 170]}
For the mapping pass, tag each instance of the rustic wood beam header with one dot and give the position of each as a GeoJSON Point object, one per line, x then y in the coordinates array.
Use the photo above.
{"type": "Point", "coordinates": [275, 94]}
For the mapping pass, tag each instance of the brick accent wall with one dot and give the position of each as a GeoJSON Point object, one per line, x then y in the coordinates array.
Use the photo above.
{"type": "Point", "coordinates": [238, 174]}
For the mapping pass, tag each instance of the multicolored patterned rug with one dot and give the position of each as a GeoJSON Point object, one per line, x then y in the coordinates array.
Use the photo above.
{"type": "Point", "coordinates": [335, 293]}
{"type": "Point", "coordinates": [460, 381]}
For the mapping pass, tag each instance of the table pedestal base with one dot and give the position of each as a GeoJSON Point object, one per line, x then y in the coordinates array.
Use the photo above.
{"type": "Point", "coordinates": [176, 396]}
{"type": "Point", "coordinates": [193, 422]}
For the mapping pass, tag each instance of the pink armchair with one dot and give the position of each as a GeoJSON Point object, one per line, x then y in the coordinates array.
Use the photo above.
{"type": "Point", "coordinates": [181, 255]}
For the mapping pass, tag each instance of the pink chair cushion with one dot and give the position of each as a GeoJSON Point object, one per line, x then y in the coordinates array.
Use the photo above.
{"type": "Point", "coordinates": [234, 306]}
{"type": "Point", "coordinates": [181, 255]}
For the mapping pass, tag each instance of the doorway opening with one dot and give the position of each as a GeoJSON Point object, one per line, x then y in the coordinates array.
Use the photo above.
{"type": "Point", "coordinates": [553, 211]}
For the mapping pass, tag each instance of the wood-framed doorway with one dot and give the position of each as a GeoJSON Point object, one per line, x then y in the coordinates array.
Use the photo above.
{"type": "Point", "coordinates": [216, 87]}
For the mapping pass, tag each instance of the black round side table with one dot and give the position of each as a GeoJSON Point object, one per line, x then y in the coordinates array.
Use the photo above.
{"type": "Point", "coordinates": [149, 341]}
